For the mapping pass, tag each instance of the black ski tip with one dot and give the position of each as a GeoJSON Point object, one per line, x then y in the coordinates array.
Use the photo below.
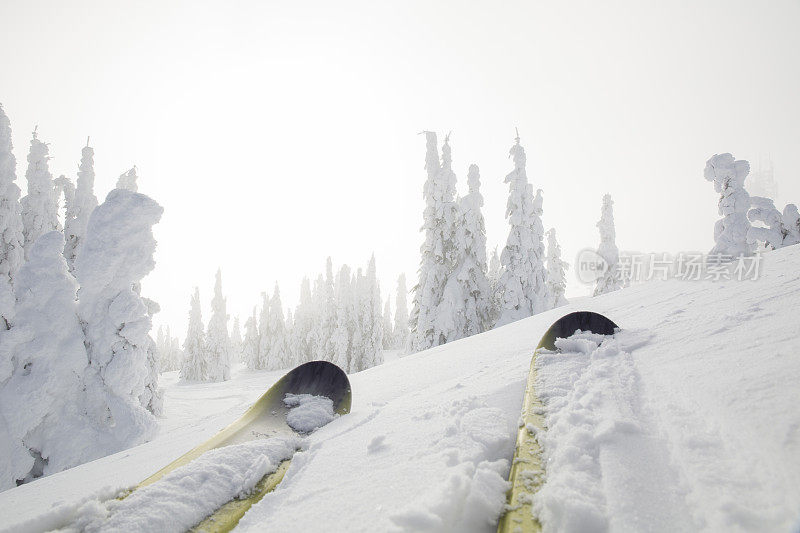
{"type": "Point", "coordinates": [579, 320]}
{"type": "Point", "coordinates": [320, 378]}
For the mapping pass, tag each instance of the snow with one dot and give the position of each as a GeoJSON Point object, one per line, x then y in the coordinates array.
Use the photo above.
{"type": "Point", "coordinates": [686, 420]}
{"type": "Point", "coordinates": [184, 497]}
{"type": "Point", "coordinates": [308, 412]}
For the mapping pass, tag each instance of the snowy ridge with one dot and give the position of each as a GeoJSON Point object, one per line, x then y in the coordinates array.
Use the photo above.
{"type": "Point", "coordinates": [696, 420]}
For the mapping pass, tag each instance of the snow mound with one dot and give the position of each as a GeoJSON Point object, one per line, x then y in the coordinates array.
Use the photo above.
{"type": "Point", "coordinates": [308, 412]}
{"type": "Point", "coordinates": [186, 496]}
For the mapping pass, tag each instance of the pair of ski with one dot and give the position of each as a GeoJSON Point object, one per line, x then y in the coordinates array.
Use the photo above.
{"type": "Point", "coordinates": [267, 418]}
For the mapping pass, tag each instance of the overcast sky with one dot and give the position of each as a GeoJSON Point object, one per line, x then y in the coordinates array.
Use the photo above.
{"type": "Point", "coordinates": [276, 134]}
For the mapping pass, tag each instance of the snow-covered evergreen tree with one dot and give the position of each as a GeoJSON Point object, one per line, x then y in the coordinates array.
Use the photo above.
{"type": "Point", "coordinates": [127, 180]}
{"type": "Point", "coordinates": [264, 339]}
{"type": "Point", "coordinates": [327, 322]}
{"type": "Point", "coordinates": [195, 365]}
{"type": "Point", "coordinates": [169, 358]}
{"type": "Point", "coordinates": [438, 252]}
{"type": "Point", "coordinates": [279, 356]}
{"type": "Point", "coordinates": [493, 276]}
{"type": "Point", "coordinates": [303, 324]}
{"type": "Point", "coordinates": [730, 232]}
{"type": "Point", "coordinates": [64, 187]}
{"type": "Point", "coordinates": [218, 344]}
{"type": "Point", "coordinates": [474, 308]}
{"type": "Point", "coordinates": [771, 232]}
{"type": "Point", "coordinates": [388, 333]}
{"type": "Point", "coordinates": [43, 427]}
{"type": "Point", "coordinates": [357, 305]}
{"type": "Point", "coordinates": [39, 206]}
{"type": "Point", "coordinates": [401, 332]}
{"type": "Point", "coordinates": [343, 332]}
{"type": "Point", "coordinates": [791, 225]}
{"type": "Point", "coordinates": [12, 239]}
{"type": "Point", "coordinates": [85, 202]}
{"type": "Point", "coordinates": [494, 266]}
{"type": "Point", "coordinates": [236, 340]}
{"type": "Point", "coordinates": [152, 398]}
{"type": "Point", "coordinates": [251, 342]}
{"type": "Point", "coordinates": [291, 340]}
{"type": "Point", "coordinates": [522, 284]}
{"type": "Point", "coordinates": [611, 279]}
{"type": "Point", "coordinates": [556, 271]}
{"type": "Point", "coordinates": [318, 342]}
{"type": "Point", "coordinates": [372, 322]}
{"type": "Point", "coordinates": [117, 254]}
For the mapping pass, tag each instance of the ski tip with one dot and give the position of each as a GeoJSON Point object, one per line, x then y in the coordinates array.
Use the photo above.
{"type": "Point", "coordinates": [579, 320]}
{"type": "Point", "coordinates": [320, 378]}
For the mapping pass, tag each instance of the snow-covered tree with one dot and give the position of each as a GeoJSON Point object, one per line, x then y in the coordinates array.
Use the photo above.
{"type": "Point", "coordinates": [43, 427]}
{"type": "Point", "coordinates": [493, 276]}
{"type": "Point", "coordinates": [327, 321]}
{"type": "Point", "coordinates": [388, 333]}
{"type": "Point", "coordinates": [357, 341]}
{"type": "Point", "coordinates": [152, 398]}
{"type": "Point", "coordinates": [474, 307]}
{"type": "Point", "coordinates": [372, 322]}
{"type": "Point", "coordinates": [791, 225]}
{"type": "Point", "coordinates": [291, 339]}
{"type": "Point", "coordinates": [251, 342]}
{"type": "Point", "coordinates": [494, 266]}
{"type": "Point", "coordinates": [116, 255]}
{"type": "Point", "coordinates": [318, 341]}
{"type": "Point", "coordinates": [195, 364]}
{"type": "Point", "coordinates": [279, 357]}
{"type": "Point", "coordinates": [770, 234]}
{"type": "Point", "coordinates": [730, 232]}
{"type": "Point", "coordinates": [236, 339]}
{"type": "Point", "coordinates": [264, 340]}
{"type": "Point", "coordinates": [170, 355]}
{"type": "Point", "coordinates": [303, 324]}
{"type": "Point", "coordinates": [127, 180]}
{"type": "Point", "coordinates": [401, 332]}
{"type": "Point", "coordinates": [39, 206]}
{"type": "Point", "coordinates": [556, 271]}
{"type": "Point", "coordinates": [218, 344]}
{"type": "Point", "coordinates": [64, 187]}
{"type": "Point", "coordinates": [438, 254]}
{"type": "Point", "coordinates": [85, 202]}
{"type": "Point", "coordinates": [611, 280]}
{"type": "Point", "coordinates": [522, 284]}
{"type": "Point", "coordinates": [344, 324]}
{"type": "Point", "coordinates": [12, 239]}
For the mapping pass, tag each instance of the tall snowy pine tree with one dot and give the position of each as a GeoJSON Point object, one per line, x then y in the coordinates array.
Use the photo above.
{"type": "Point", "coordinates": [39, 206]}
{"type": "Point", "coordinates": [85, 203]}
{"type": "Point", "coordinates": [523, 279]}
{"type": "Point", "coordinates": [12, 238]}
{"type": "Point", "coordinates": [195, 364]}
{"type": "Point", "coordinates": [218, 344]}
{"type": "Point", "coordinates": [611, 280]}
{"type": "Point", "coordinates": [438, 251]}
{"type": "Point", "coordinates": [556, 271]}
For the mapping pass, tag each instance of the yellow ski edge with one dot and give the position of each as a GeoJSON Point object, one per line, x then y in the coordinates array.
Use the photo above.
{"type": "Point", "coordinates": [527, 470]}
{"type": "Point", "coordinates": [227, 517]}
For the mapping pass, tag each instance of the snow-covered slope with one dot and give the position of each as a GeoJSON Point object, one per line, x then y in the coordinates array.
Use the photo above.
{"type": "Point", "coordinates": [690, 422]}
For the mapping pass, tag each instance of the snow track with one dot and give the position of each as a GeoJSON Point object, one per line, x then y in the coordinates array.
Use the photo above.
{"type": "Point", "coordinates": [606, 467]}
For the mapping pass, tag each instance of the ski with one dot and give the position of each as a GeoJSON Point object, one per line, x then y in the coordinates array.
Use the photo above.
{"type": "Point", "coordinates": [266, 418]}
{"type": "Point", "coordinates": [527, 471]}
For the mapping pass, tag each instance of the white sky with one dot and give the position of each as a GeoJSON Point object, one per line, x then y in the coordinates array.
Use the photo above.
{"type": "Point", "coordinates": [278, 133]}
